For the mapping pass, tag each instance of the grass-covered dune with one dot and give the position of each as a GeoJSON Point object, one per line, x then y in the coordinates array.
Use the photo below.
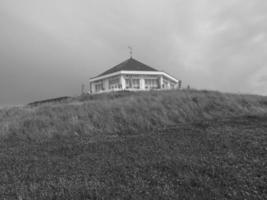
{"type": "Point", "coordinates": [125, 113]}
{"type": "Point", "coordinates": [147, 145]}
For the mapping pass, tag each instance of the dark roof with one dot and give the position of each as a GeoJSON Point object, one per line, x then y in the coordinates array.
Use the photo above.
{"type": "Point", "coordinates": [128, 65]}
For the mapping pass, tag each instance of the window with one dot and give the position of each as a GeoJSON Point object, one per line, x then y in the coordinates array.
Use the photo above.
{"type": "Point", "coordinates": [165, 83]}
{"type": "Point", "coordinates": [99, 87]}
{"type": "Point", "coordinates": [136, 83]}
{"type": "Point", "coordinates": [114, 83]}
{"type": "Point", "coordinates": [151, 83]}
{"type": "Point", "coordinates": [128, 83]}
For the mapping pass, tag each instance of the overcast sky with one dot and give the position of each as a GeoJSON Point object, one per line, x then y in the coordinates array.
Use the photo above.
{"type": "Point", "coordinates": [48, 48]}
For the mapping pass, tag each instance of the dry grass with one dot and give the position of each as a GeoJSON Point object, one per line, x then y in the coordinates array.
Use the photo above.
{"type": "Point", "coordinates": [153, 145]}
{"type": "Point", "coordinates": [124, 113]}
{"type": "Point", "coordinates": [216, 160]}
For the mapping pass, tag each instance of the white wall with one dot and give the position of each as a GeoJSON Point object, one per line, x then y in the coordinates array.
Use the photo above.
{"type": "Point", "coordinates": [160, 81]}
{"type": "Point", "coordinates": [123, 83]}
{"type": "Point", "coordinates": [142, 82]}
{"type": "Point", "coordinates": [105, 84]}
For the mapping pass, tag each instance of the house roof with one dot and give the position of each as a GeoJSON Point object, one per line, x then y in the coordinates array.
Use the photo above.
{"type": "Point", "coordinates": [128, 65]}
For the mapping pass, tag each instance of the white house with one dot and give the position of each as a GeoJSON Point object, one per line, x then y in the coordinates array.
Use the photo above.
{"type": "Point", "coordinates": [132, 75]}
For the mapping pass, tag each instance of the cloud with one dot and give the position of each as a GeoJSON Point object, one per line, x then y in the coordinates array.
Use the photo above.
{"type": "Point", "coordinates": [208, 44]}
{"type": "Point", "coordinates": [227, 46]}
{"type": "Point", "coordinates": [257, 82]}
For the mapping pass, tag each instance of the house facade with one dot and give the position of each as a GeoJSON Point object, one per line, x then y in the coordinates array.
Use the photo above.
{"type": "Point", "coordinates": [131, 75]}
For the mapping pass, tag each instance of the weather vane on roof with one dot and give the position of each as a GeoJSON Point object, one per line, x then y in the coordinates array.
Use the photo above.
{"type": "Point", "coordinates": [131, 51]}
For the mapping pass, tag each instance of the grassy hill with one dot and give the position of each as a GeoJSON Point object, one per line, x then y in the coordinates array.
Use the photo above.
{"type": "Point", "coordinates": [125, 113]}
{"type": "Point", "coordinates": [147, 145]}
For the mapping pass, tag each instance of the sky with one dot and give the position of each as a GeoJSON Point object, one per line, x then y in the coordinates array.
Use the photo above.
{"type": "Point", "coordinates": [48, 48]}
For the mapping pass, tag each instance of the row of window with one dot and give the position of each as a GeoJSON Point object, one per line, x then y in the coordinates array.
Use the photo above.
{"type": "Point", "coordinates": [135, 83]}
{"type": "Point", "coordinates": [99, 87]}
{"type": "Point", "coordinates": [132, 83]}
{"type": "Point", "coordinates": [151, 83]}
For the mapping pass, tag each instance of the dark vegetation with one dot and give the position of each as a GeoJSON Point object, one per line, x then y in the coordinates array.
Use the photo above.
{"type": "Point", "coordinates": [156, 145]}
{"type": "Point", "coordinates": [54, 100]}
